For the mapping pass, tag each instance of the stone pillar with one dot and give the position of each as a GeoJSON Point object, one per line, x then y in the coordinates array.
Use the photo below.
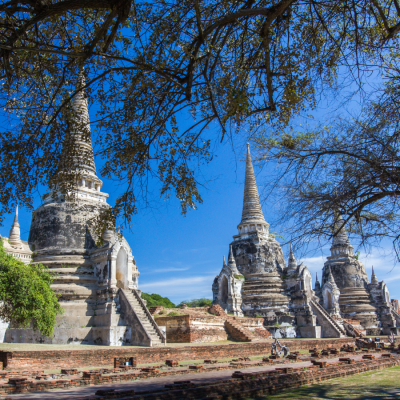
{"type": "Point", "coordinates": [113, 272]}
{"type": "Point", "coordinates": [215, 290]}
{"type": "Point", "coordinates": [129, 278]}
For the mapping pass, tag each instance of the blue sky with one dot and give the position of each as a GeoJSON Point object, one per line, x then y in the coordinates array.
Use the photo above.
{"type": "Point", "coordinates": [179, 257]}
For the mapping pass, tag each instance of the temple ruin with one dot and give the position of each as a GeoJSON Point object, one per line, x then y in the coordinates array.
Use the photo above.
{"type": "Point", "coordinates": [346, 292]}
{"type": "Point", "coordinates": [96, 281]}
{"type": "Point", "coordinates": [97, 278]}
{"type": "Point", "coordinates": [256, 282]}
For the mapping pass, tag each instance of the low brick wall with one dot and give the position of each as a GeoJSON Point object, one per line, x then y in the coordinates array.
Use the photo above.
{"type": "Point", "coordinates": [101, 356]}
{"type": "Point", "coordinates": [286, 376]}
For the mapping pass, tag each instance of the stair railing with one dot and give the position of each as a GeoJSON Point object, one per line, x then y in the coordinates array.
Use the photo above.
{"type": "Point", "coordinates": [150, 317]}
{"type": "Point", "coordinates": [395, 314]}
{"type": "Point", "coordinates": [326, 314]}
{"type": "Point", "coordinates": [135, 317]}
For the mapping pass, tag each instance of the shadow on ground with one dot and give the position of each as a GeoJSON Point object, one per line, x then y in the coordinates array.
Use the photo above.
{"type": "Point", "coordinates": [329, 392]}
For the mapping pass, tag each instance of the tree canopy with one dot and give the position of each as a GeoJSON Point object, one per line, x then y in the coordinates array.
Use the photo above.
{"type": "Point", "coordinates": [248, 66]}
{"type": "Point", "coordinates": [203, 302]}
{"type": "Point", "coordinates": [348, 168]}
{"type": "Point", "coordinates": [26, 296]}
{"type": "Point", "coordinates": [154, 300]}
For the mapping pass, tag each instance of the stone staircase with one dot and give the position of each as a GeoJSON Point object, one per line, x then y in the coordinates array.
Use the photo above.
{"type": "Point", "coordinates": [145, 319]}
{"type": "Point", "coordinates": [238, 332]}
{"type": "Point", "coordinates": [217, 310]}
{"type": "Point", "coordinates": [235, 329]}
{"type": "Point", "coordinates": [326, 321]}
{"type": "Point", "coordinates": [353, 330]}
{"type": "Point", "coordinates": [396, 316]}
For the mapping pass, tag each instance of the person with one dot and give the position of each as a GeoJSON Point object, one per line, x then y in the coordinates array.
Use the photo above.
{"type": "Point", "coordinates": [283, 349]}
{"type": "Point", "coordinates": [391, 339]}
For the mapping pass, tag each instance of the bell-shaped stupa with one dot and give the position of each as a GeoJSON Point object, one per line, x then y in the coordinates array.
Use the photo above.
{"type": "Point", "coordinates": [259, 258]}
{"type": "Point", "coordinates": [351, 279]}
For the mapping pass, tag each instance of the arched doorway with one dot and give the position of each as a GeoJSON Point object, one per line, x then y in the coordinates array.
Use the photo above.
{"type": "Point", "coordinates": [122, 269]}
{"type": "Point", "coordinates": [387, 296]}
{"type": "Point", "coordinates": [224, 290]}
{"type": "Point", "coordinates": [328, 300]}
{"type": "Point", "coordinates": [308, 285]}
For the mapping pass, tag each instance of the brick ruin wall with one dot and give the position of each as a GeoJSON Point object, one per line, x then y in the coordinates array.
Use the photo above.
{"type": "Point", "coordinates": [193, 329]}
{"type": "Point", "coordinates": [58, 359]}
{"type": "Point", "coordinates": [252, 385]}
{"type": "Point", "coordinates": [241, 385]}
{"type": "Point", "coordinates": [203, 329]}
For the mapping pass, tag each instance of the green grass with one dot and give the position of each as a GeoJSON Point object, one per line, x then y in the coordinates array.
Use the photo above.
{"type": "Point", "coordinates": [382, 384]}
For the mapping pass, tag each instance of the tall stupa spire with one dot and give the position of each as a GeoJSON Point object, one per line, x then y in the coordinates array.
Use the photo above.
{"type": "Point", "coordinates": [77, 159]}
{"type": "Point", "coordinates": [317, 286]}
{"type": "Point", "coordinates": [292, 262]}
{"type": "Point", "coordinates": [252, 215]}
{"type": "Point", "coordinates": [341, 237]}
{"type": "Point", "coordinates": [331, 279]}
{"type": "Point", "coordinates": [341, 246]}
{"type": "Point", "coordinates": [374, 279]}
{"type": "Point", "coordinates": [231, 260]}
{"type": "Point", "coordinates": [77, 154]}
{"type": "Point", "coordinates": [15, 233]}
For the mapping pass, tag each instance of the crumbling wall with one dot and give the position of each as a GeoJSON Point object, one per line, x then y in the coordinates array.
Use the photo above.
{"type": "Point", "coordinates": [192, 329]}
{"type": "Point", "coordinates": [258, 256]}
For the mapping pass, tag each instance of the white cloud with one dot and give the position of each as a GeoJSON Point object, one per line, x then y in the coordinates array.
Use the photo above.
{"type": "Point", "coordinates": [392, 278]}
{"type": "Point", "coordinates": [314, 264]}
{"type": "Point", "coordinates": [168, 269]}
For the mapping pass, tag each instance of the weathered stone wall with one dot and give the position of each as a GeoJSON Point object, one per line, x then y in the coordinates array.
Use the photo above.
{"type": "Point", "coordinates": [64, 225]}
{"type": "Point", "coordinates": [347, 273]}
{"type": "Point", "coordinates": [255, 255]}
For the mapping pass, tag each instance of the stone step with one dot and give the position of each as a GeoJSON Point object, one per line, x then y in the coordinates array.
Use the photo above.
{"type": "Point", "coordinates": [151, 329]}
{"type": "Point", "coordinates": [141, 313]}
{"type": "Point", "coordinates": [144, 318]}
{"type": "Point", "coordinates": [137, 308]}
{"type": "Point", "coordinates": [141, 316]}
{"type": "Point", "coordinates": [329, 318]}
